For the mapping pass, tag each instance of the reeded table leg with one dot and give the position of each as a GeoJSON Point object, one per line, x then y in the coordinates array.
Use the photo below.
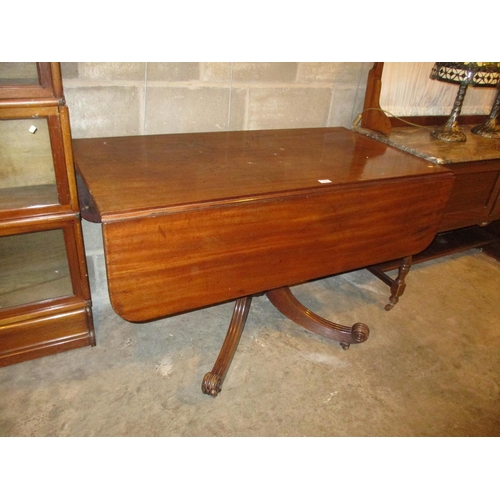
{"type": "Point", "coordinates": [284, 300]}
{"type": "Point", "coordinates": [212, 382]}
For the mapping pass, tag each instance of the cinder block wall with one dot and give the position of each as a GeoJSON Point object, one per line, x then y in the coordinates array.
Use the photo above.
{"type": "Point", "coordinates": [116, 99]}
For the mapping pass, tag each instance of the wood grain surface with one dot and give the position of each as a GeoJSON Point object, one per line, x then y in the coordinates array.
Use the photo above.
{"type": "Point", "coordinates": [198, 219]}
{"type": "Point", "coordinates": [139, 175]}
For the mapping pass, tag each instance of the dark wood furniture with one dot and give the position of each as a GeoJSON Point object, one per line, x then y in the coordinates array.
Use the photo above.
{"type": "Point", "coordinates": [45, 303]}
{"type": "Point", "coordinates": [192, 220]}
{"type": "Point", "coordinates": [474, 201]}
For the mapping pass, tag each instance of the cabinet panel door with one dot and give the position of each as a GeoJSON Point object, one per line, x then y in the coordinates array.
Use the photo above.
{"type": "Point", "coordinates": [470, 200]}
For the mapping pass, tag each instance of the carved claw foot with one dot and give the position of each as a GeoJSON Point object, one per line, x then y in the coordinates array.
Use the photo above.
{"type": "Point", "coordinates": [212, 384]}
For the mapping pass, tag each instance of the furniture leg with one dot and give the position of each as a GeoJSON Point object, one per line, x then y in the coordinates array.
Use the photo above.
{"type": "Point", "coordinates": [284, 300]}
{"type": "Point", "coordinates": [212, 381]}
{"type": "Point", "coordinates": [397, 285]}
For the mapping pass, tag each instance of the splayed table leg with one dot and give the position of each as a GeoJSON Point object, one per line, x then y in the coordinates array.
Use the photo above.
{"type": "Point", "coordinates": [212, 382]}
{"type": "Point", "coordinates": [284, 300]}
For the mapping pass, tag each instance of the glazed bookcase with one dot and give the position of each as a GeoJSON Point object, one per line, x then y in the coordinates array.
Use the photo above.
{"type": "Point", "coordinates": [45, 305]}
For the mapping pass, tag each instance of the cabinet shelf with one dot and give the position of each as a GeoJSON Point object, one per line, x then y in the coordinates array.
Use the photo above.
{"type": "Point", "coordinates": [29, 197]}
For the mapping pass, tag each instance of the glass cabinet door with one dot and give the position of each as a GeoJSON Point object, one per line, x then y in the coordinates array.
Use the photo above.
{"type": "Point", "coordinates": [34, 268]}
{"type": "Point", "coordinates": [27, 175]}
{"type": "Point", "coordinates": [28, 80]}
{"type": "Point", "coordinates": [32, 162]}
{"type": "Point", "coordinates": [19, 73]}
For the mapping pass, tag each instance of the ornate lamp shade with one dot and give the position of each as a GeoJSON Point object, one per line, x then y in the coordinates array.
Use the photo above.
{"type": "Point", "coordinates": [475, 74]}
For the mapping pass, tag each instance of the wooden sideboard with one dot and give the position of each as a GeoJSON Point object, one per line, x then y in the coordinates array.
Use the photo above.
{"type": "Point", "coordinates": [472, 214]}
{"type": "Point", "coordinates": [191, 220]}
{"type": "Point", "coordinates": [475, 198]}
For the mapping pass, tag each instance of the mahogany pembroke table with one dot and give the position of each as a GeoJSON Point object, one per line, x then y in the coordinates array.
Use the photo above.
{"type": "Point", "coordinates": [192, 220]}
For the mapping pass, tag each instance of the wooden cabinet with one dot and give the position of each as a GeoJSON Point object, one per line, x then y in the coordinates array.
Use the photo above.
{"type": "Point", "coordinates": [44, 291]}
{"type": "Point", "coordinates": [475, 191]}
{"type": "Point", "coordinates": [474, 201]}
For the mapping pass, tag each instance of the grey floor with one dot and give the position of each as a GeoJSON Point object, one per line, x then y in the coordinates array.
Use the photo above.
{"type": "Point", "coordinates": [431, 367]}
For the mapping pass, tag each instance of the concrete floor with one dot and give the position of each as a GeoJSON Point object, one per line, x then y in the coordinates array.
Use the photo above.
{"type": "Point", "coordinates": [431, 367]}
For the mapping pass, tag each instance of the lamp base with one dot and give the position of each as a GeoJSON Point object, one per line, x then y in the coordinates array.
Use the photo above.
{"type": "Point", "coordinates": [449, 133]}
{"type": "Point", "coordinates": [489, 129]}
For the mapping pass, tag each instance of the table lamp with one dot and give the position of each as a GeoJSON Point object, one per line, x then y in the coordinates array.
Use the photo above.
{"type": "Point", "coordinates": [475, 74]}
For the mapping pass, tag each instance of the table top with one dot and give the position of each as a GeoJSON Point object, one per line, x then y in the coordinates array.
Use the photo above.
{"type": "Point", "coordinates": [139, 175]}
{"type": "Point", "coordinates": [191, 220]}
